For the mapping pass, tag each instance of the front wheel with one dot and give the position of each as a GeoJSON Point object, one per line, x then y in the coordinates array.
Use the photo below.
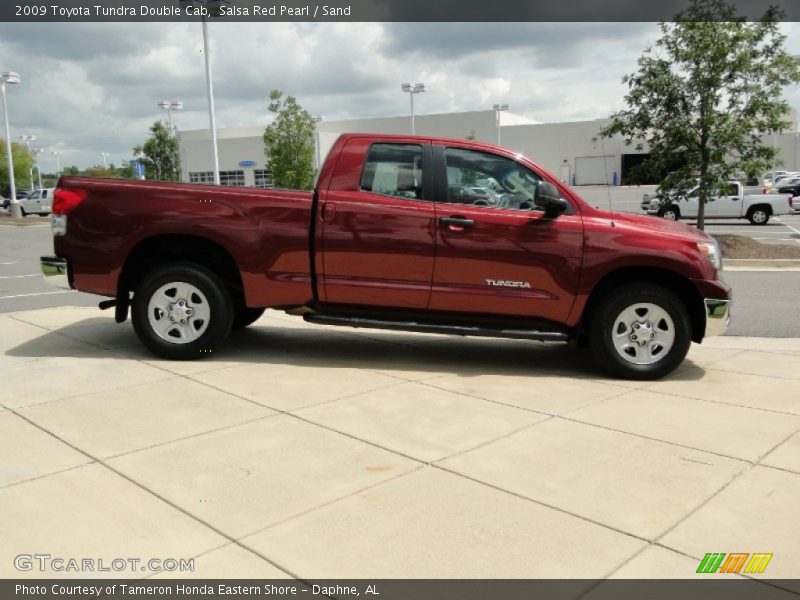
{"type": "Point", "coordinates": [671, 213]}
{"type": "Point", "coordinates": [182, 311]}
{"type": "Point", "coordinates": [640, 331]}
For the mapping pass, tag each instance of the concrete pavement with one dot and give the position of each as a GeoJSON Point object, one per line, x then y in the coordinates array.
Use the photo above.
{"type": "Point", "coordinates": [304, 451]}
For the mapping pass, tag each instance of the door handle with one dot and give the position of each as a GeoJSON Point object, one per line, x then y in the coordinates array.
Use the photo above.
{"type": "Point", "coordinates": [328, 211]}
{"type": "Point", "coordinates": [456, 223]}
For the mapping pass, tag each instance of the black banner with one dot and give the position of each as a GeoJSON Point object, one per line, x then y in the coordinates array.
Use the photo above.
{"type": "Point", "coordinates": [368, 10]}
{"type": "Point", "coordinates": [409, 589]}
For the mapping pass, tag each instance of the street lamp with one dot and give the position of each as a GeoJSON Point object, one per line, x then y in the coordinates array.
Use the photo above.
{"type": "Point", "coordinates": [57, 154]}
{"type": "Point", "coordinates": [169, 106]}
{"type": "Point", "coordinates": [318, 159]}
{"type": "Point", "coordinates": [10, 78]}
{"type": "Point", "coordinates": [105, 156]}
{"type": "Point", "coordinates": [498, 108]}
{"type": "Point", "coordinates": [417, 88]}
{"type": "Point", "coordinates": [28, 139]}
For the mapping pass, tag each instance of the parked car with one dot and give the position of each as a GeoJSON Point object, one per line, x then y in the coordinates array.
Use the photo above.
{"type": "Point", "coordinates": [38, 203]}
{"type": "Point", "coordinates": [193, 261]}
{"type": "Point", "coordinates": [757, 208]}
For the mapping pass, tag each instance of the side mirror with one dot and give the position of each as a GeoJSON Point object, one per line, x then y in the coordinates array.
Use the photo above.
{"type": "Point", "coordinates": [549, 200]}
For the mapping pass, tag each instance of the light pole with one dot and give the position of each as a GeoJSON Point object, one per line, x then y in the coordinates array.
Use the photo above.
{"type": "Point", "coordinates": [498, 108]}
{"type": "Point", "coordinates": [28, 139]}
{"type": "Point", "coordinates": [169, 106]}
{"type": "Point", "coordinates": [105, 156]}
{"type": "Point", "coordinates": [10, 78]}
{"type": "Point", "coordinates": [317, 158]}
{"type": "Point", "coordinates": [211, 113]}
{"type": "Point", "coordinates": [36, 154]}
{"type": "Point", "coordinates": [417, 88]}
{"type": "Point", "coordinates": [57, 154]}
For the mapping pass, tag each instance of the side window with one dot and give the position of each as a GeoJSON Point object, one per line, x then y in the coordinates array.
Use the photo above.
{"type": "Point", "coordinates": [484, 179]}
{"type": "Point", "coordinates": [44, 193]}
{"type": "Point", "coordinates": [393, 170]}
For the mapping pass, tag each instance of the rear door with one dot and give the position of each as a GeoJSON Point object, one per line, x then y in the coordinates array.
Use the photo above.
{"type": "Point", "coordinates": [504, 259]}
{"type": "Point", "coordinates": [378, 225]}
{"type": "Point", "coordinates": [728, 203]}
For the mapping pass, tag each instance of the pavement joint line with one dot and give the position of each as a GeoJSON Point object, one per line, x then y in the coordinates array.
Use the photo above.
{"type": "Point", "coordinates": [191, 436]}
{"type": "Point", "coordinates": [782, 469]}
{"type": "Point", "coordinates": [654, 439]}
{"type": "Point", "coordinates": [539, 502]}
{"type": "Point", "coordinates": [327, 503]}
{"type": "Point", "coordinates": [747, 468]}
{"type": "Point", "coordinates": [102, 463]}
{"type": "Point", "coordinates": [758, 374]}
{"type": "Point", "coordinates": [46, 475]}
{"type": "Point", "coordinates": [761, 408]}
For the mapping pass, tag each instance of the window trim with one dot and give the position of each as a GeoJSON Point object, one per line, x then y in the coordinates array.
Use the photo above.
{"type": "Point", "coordinates": [441, 185]}
{"type": "Point", "coordinates": [427, 170]}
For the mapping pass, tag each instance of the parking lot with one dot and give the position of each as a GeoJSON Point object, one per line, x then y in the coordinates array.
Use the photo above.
{"type": "Point", "coordinates": [312, 452]}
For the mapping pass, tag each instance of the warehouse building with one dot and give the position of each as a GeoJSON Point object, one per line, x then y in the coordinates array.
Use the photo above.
{"type": "Point", "coordinates": [573, 151]}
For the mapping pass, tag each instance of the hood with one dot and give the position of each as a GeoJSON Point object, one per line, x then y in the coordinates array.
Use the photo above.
{"type": "Point", "coordinates": [659, 225]}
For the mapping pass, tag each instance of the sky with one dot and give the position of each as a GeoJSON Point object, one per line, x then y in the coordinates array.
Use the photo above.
{"type": "Point", "coordinates": [89, 88]}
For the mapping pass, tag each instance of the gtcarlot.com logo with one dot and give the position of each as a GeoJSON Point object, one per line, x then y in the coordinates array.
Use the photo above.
{"type": "Point", "coordinates": [58, 564]}
{"type": "Point", "coordinates": [720, 562]}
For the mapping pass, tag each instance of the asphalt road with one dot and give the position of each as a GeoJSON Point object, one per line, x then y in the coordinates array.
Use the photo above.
{"type": "Point", "coordinates": [765, 303]}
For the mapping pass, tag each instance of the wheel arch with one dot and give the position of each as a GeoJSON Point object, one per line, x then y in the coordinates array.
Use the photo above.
{"type": "Point", "coordinates": [162, 248]}
{"type": "Point", "coordinates": [679, 284]}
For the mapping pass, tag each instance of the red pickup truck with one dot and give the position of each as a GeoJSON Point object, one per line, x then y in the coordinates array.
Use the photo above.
{"type": "Point", "coordinates": [381, 244]}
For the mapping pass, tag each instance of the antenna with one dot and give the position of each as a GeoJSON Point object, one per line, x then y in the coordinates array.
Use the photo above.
{"type": "Point", "coordinates": [608, 185]}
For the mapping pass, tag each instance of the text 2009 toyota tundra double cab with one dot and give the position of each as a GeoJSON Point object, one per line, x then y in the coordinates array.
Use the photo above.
{"type": "Point", "coordinates": [382, 243]}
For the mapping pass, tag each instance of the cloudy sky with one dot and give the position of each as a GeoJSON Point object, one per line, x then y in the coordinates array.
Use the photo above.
{"type": "Point", "coordinates": [92, 88]}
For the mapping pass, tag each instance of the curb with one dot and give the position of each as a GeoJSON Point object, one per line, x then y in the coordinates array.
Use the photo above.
{"type": "Point", "coordinates": [747, 264]}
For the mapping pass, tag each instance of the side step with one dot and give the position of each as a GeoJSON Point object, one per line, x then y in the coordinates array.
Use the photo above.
{"type": "Point", "coordinates": [518, 334]}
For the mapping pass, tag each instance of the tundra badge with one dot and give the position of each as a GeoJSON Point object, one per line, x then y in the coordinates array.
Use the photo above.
{"type": "Point", "coordinates": [506, 283]}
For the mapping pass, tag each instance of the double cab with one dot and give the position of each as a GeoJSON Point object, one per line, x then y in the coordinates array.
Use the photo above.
{"type": "Point", "coordinates": [383, 242]}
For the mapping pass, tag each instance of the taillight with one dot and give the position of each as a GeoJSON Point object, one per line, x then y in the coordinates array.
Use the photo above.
{"type": "Point", "coordinates": [791, 202]}
{"type": "Point", "coordinates": [65, 200]}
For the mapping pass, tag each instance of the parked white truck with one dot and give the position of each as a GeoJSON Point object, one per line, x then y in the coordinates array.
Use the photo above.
{"type": "Point", "coordinates": [734, 204]}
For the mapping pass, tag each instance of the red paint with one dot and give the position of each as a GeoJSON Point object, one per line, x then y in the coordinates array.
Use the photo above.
{"type": "Point", "coordinates": [375, 250]}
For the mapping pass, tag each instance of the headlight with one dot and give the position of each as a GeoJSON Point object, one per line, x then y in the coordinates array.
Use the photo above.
{"type": "Point", "coordinates": [712, 252]}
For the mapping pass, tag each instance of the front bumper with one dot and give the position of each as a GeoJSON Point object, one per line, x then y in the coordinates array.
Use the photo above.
{"type": "Point", "coordinates": [718, 316]}
{"type": "Point", "coordinates": [55, 271]}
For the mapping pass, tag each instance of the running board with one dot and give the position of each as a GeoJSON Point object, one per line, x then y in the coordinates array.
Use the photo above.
{"type": "Point", "coordinates": [517, 334]}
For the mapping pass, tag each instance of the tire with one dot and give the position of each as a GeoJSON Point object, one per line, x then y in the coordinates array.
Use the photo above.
{"type": "Point", "coordinates": [22, 212]}
{"type": "Point", "coordinates": [758, 216]}
{"type": "Point", "coordinates": [247, 316]}
{"type": "Point", "coordinates": [200, 325]}
{"type": "Point", "coordinates": [614, 326]}
{"type": "Point", "coordinates": [671, 213]}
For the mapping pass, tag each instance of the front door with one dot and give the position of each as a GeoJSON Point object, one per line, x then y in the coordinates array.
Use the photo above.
{"type": "Point", "coordinates": [378, 230]}
{"type": "Point", "coordinates": [507, 258]}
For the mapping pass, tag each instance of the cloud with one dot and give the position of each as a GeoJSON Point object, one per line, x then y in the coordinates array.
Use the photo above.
{"type": "Point", "coordinates": [89, 88]}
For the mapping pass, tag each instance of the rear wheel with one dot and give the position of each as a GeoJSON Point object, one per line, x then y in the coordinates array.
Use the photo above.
{"type": "Point", "coordinates": [758, 216]}
{"type": "Point", "coordinates": [640, 331]}
{"type": "Point", "coordinates": [182, 311]}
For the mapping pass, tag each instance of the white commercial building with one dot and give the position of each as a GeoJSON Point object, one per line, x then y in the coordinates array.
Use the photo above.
{"type": "Point", "coordinates": [573, 151]}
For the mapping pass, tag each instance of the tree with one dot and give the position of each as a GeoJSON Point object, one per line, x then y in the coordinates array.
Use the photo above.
{"type": "Point", "coordinates": [23, 163]}
{"type": "Point", "coordinates": [159, 154]}
{"type": "Point", "coordinates": [704, 97]}
{"type": "Point", "coordinates": [289, 142]}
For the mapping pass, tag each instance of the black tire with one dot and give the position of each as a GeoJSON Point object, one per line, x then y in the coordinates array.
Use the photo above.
{"type": "Point", "coordinates": [670, 210]}
{"type": "Point", "coordinates": [219, 306]}
{"type": "Point", "coordinates": [22, 212]}
{"type": "Point", "coordinates": [612, 306]}
{"type": "Point", "coordinates": [758, 215]}
{"type": "Point", "coordinates": [247, 316]}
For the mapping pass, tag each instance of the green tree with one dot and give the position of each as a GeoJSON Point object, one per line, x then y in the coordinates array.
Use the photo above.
{"type": "Point", "coordinates": [23, 162]}
{"type": "Point", "coordinates": [704, 97]}
{"type": "Point", "coordinates": [159, 154]}
{"type": "Point", "coordinates": [289, 142]}
{"type": "Point", "coordinates": [73, 170]}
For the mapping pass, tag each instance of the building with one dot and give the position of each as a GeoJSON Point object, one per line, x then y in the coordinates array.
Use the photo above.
{"type": "Point", "coordinates": [573, 151]}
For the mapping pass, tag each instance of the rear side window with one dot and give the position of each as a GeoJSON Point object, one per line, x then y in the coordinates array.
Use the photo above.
{"type": "Point", "coordinates": [394, 170]}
